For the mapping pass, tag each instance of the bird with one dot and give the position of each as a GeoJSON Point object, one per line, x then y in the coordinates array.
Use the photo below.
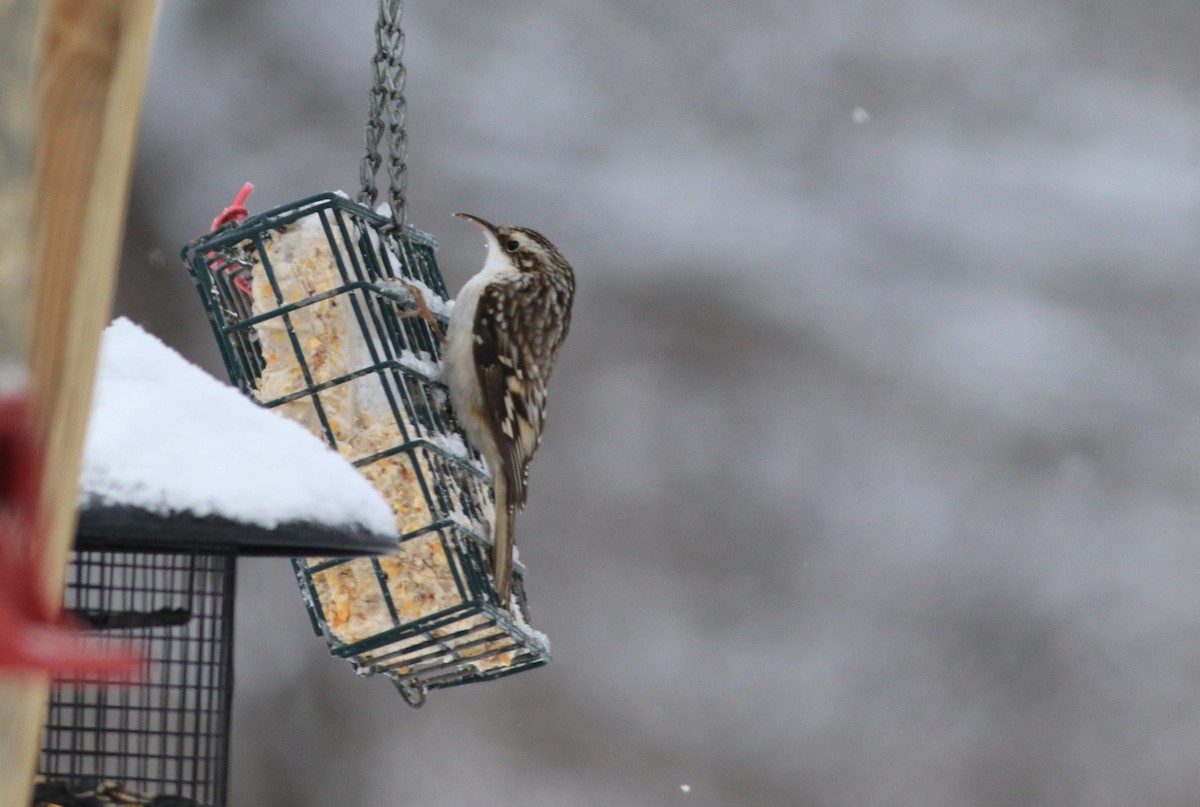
{"type": "Point", "coordinates": [502, 341]}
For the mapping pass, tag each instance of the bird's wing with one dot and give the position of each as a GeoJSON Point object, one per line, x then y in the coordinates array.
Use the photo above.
{"type": "Point", "coordinates": [513, 401]}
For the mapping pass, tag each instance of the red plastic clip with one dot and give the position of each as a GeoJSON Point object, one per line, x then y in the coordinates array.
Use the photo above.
{"type": "Point", "coordinates": [35, 636]}
{"type": "Point", "coordinates": [235, 212]}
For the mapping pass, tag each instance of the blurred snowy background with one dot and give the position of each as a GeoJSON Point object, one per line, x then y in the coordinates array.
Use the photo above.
{"type": "Point", "coordinates": [873, 469]}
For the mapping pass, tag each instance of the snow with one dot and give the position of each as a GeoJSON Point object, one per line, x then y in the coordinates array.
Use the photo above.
{"type": "Point", "coordinates": [522, 620]}
{"type": "Point", "coordinates": [452, 444]}
{"type": "Point", "coordinates": [420, 362]}
{"type": "Point", "coordinates": [167, 437]}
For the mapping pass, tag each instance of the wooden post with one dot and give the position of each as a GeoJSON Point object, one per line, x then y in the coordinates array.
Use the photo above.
{"type": "Point", "coordinates": [89, 85]}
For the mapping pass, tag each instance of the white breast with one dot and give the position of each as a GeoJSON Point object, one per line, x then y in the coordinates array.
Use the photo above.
{"type": "Point", "coordinates": [459, 354]}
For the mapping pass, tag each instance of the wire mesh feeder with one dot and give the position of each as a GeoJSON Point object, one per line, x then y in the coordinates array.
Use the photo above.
{"type": "Point", "coordinates": [161, 739]}
{"type": "Point", "coordinates": [311, 307]}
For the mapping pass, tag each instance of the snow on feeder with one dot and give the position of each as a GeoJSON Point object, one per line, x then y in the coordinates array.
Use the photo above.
{"type": "Point", "coordinates": [166, 507]}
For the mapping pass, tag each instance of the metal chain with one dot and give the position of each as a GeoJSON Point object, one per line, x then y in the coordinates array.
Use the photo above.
{"type": "Point", "coordinates": [387, 110]}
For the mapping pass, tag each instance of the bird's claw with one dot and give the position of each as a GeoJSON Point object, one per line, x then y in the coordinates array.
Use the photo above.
{"type": "Point", "coordinates": [422, 309]}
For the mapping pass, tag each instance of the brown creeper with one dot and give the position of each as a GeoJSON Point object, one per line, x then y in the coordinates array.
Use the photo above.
{"type": "Point", "coordinates": [505, 331]}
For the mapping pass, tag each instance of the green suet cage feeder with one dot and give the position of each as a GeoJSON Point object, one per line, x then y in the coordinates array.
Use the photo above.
{"type": "Point", "coordinates": [312, 306]}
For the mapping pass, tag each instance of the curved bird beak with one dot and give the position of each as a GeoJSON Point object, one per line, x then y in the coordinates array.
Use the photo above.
{"type": "Point", "coordinates": [487, 226]}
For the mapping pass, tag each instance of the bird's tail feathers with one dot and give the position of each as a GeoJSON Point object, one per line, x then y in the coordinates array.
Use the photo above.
{"type": "Point", "coordinates": [502, 542]}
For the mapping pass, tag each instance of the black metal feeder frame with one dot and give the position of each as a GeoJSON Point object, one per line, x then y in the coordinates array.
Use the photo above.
{"type": "Point", "coordinates": [161, 585]}
{"type": "Point", "coordinates": [378, 613]}
{"type": "Point", "coordinates": [161, 738]}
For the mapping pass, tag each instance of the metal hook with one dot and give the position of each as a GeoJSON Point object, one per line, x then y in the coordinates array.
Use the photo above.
{"type": "Point", "coordinates": [412, 690]}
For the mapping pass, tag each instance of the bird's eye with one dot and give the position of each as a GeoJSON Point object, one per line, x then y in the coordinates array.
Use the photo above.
{"type": "Point", "coordinates": [513, 245]}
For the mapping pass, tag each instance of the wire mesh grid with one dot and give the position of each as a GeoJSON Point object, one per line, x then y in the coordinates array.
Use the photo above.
{"type": "Point", "coordinates": [162, 737]}
{"type": "Point", "coordinates": [311, 306]}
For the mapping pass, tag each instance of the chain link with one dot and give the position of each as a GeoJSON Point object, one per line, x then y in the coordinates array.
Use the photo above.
{"type": "Point", "coordinates": [386, 113]}
{"type": "Point", "coordinates": [411, 690]}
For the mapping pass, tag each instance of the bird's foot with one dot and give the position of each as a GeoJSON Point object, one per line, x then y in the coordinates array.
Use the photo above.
{"type": "Point", "coordinates": [422, 309]}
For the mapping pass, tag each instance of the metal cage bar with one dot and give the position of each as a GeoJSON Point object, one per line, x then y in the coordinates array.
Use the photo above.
{"type": "Point", "coordinates": [165, 732]}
